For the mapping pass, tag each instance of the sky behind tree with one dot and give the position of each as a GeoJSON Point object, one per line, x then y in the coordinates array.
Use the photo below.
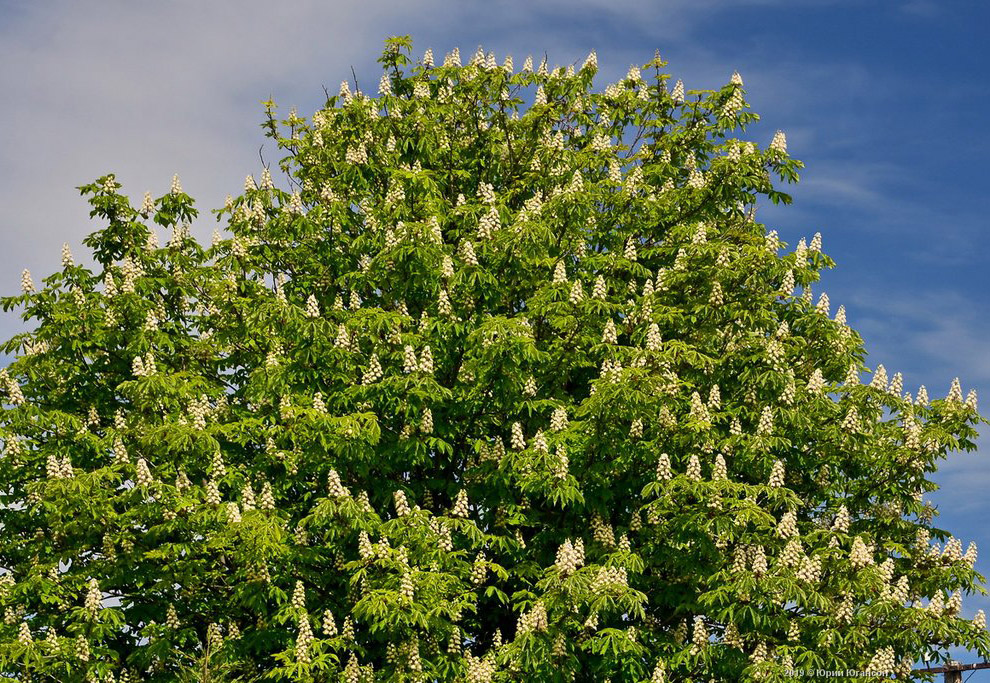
{"type": "Point", "coordinates": [885, 102]}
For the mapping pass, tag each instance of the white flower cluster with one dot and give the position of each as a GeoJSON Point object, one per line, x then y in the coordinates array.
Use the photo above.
{"type": "Point", "coordinates": [212, 492]}
{"type": "Point", "coordinates": [67, 261]}
{"type": "Point", "coordinates": [896, 385]}
{"type": "Point", "coordinates": [719, 470]}
{"type": "Point", "coordinates": [172, 618]}
{"type": "Point", "coordinates": [699, 634]}
{"type": "Point", "coordinates": [148, 205]}
{"type": "Point", "coordinates": [788, 394]}
{"type": "Point", "coordinates": [787, 527]}
{"type": "Point", "coordinates": [850, 423]}
{"type": "Point", "coordinates": [82, 649]}
{"type": "Point", "coordinates": [611, 371]}
{"type": "Point", "coordinates": [144, 367]}
{"type": "Point", "coordinates": [600, 290]}
{"type": "Point", "coordinates": [443, 304]}
{"type": "Point", "coordinates": [517, 441]}
{"type": "Point", "coordinates": [233, 513]}
{"type": "Point", "coordinates": [970, 556]}
{"type": "Point", "coordinates": [954, 606]}
{"type": "Point", "coordinates": [217, 466]}
{"type": "Point", "coordinates": [841, 523]}
{"type": "Point", "coordinates": [24, 634]}
{"type": "Point", "coordinates": [144, 477]}
{"type": "Point", "coordinates": [664, 471]}
{"type": "Point", "coordinates": [329, 625]}
{"type": "Point", "coordinates": [304, 641]}
{"type": "Point", "coordinates": [94, 598]}
{"type": "Point", "coordinates": [883, 662]}
{"type": "Point", "coordinates": [352, 672]}
{"type": "Point", "coordinates": [56, 468]}
{"type": "Point", "coordinates": [12, 386]}
{"type": "Point", "coordinates": [410, 364]}
{"type": "Point", "coordinates": [299, 596]}
{"type": "Point", "coordinates": [334, 486]}
{"type": "Point", "coordinates": [779, 143]}
{"type": "Point", "coordinates": [570, 556]}
{"type": "Point", "coordinates": [401, 504]}
{"type": "Point", "coordinates": [486, 192]}
{"type": "Point", "coordinates": [879, 380]}
{"type": "Point", "coordinates": [312, 307]}
{"type": "Point", "coordinates": [860, 555]}
{"type": "Point", "coordinates": [365, 550]}
{"type": "Point", "coordinates": [601, 531]}
{"type": "Point", "coordinates": [733, 104]}
{"type": "Point", "coordinates": [765, 425]}
{"type": "Point", "coordinates": [27, 284]}
{"type": "Point", "coordinates": [694, 468]}
{"type": "Point", "coordinates": [444, 540]}
{"type": "Point", "coordinates": [955, 392]}
{"type": "Point", "coordinates": [776, 475]}
{"type": "Point", "coordinates": [793, 552]}
{"type": "Point", "coordinates": [488, 224]}
{"type": "Point", "coordinates": [479, 570]}
{"type": "Point", "coordinates": [653, 339]}
{"type": "Point", "coordinates": [529, 387]}
{"type": "Point", "coordinates": [698, 410]}
{"type": "Point", "coordinates": [199, 410]}
{"type": "Point", "coordinates": [936, 605]}
{"type": "Point", "coordinates": [558, 420]}
{"type": "Point", "coordinates": [460, 508]}
{"type": "Point", "coordinates": [810, 569]}
{"type": "Point", "coordinates": [425, 364]}
{"type": "Point", "coordinates": [540, 442]}
{"type": "Point", "coordinates": [953, 550]}
{"type": "Point", "coordinates": [844, 610]}
{"type": "Point", "coordinates": [214, 636]}
{"type": "Point", "coordinates": [479, 670]}
{"type": "Point", "coordinates": [787, 284]}
{"type": "Point", "coordinates": [609, 579]}
{"type": "Point", "coordinates": [630, 250]}
{"type": "Point", "coordinates": [533, 620]}
{"type": "Point", "coordinates": [898, 592]}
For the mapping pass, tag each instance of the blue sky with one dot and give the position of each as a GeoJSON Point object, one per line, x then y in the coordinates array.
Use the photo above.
{"type": "Point", "coordinates": [886, 102]}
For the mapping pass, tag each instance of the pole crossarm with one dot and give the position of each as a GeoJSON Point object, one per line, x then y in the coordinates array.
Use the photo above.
{"type": "Point", "coordinates": [953, 667]}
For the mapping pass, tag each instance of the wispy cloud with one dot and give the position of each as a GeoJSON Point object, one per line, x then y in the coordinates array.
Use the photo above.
{"type": "Point", "coordinates": [939, 330]}
{"type": "Point", "coordinates": [148, 90]}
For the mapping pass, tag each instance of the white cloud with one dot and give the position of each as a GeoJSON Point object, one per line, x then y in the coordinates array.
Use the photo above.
{"type": "Point", "coordinates": [146, 90]}
{"type": "Point", "coordinates": [937, 329]}
{"type": "Point", "coordinates": [150, 89]}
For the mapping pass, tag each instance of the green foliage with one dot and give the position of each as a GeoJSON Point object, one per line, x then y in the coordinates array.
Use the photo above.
{"type": "Point", "coordinates": [496, 392]}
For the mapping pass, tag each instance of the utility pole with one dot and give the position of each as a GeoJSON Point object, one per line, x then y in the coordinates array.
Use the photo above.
{"type": "Point", "coordinates": [953, 671]}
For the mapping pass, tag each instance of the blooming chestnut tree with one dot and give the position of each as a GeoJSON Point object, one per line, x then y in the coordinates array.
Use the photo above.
{"type": "Point", "coordinates": [508, 385]}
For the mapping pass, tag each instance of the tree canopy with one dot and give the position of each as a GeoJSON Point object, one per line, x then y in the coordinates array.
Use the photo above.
{"type": "Point", "coordinates": [508, 384]}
